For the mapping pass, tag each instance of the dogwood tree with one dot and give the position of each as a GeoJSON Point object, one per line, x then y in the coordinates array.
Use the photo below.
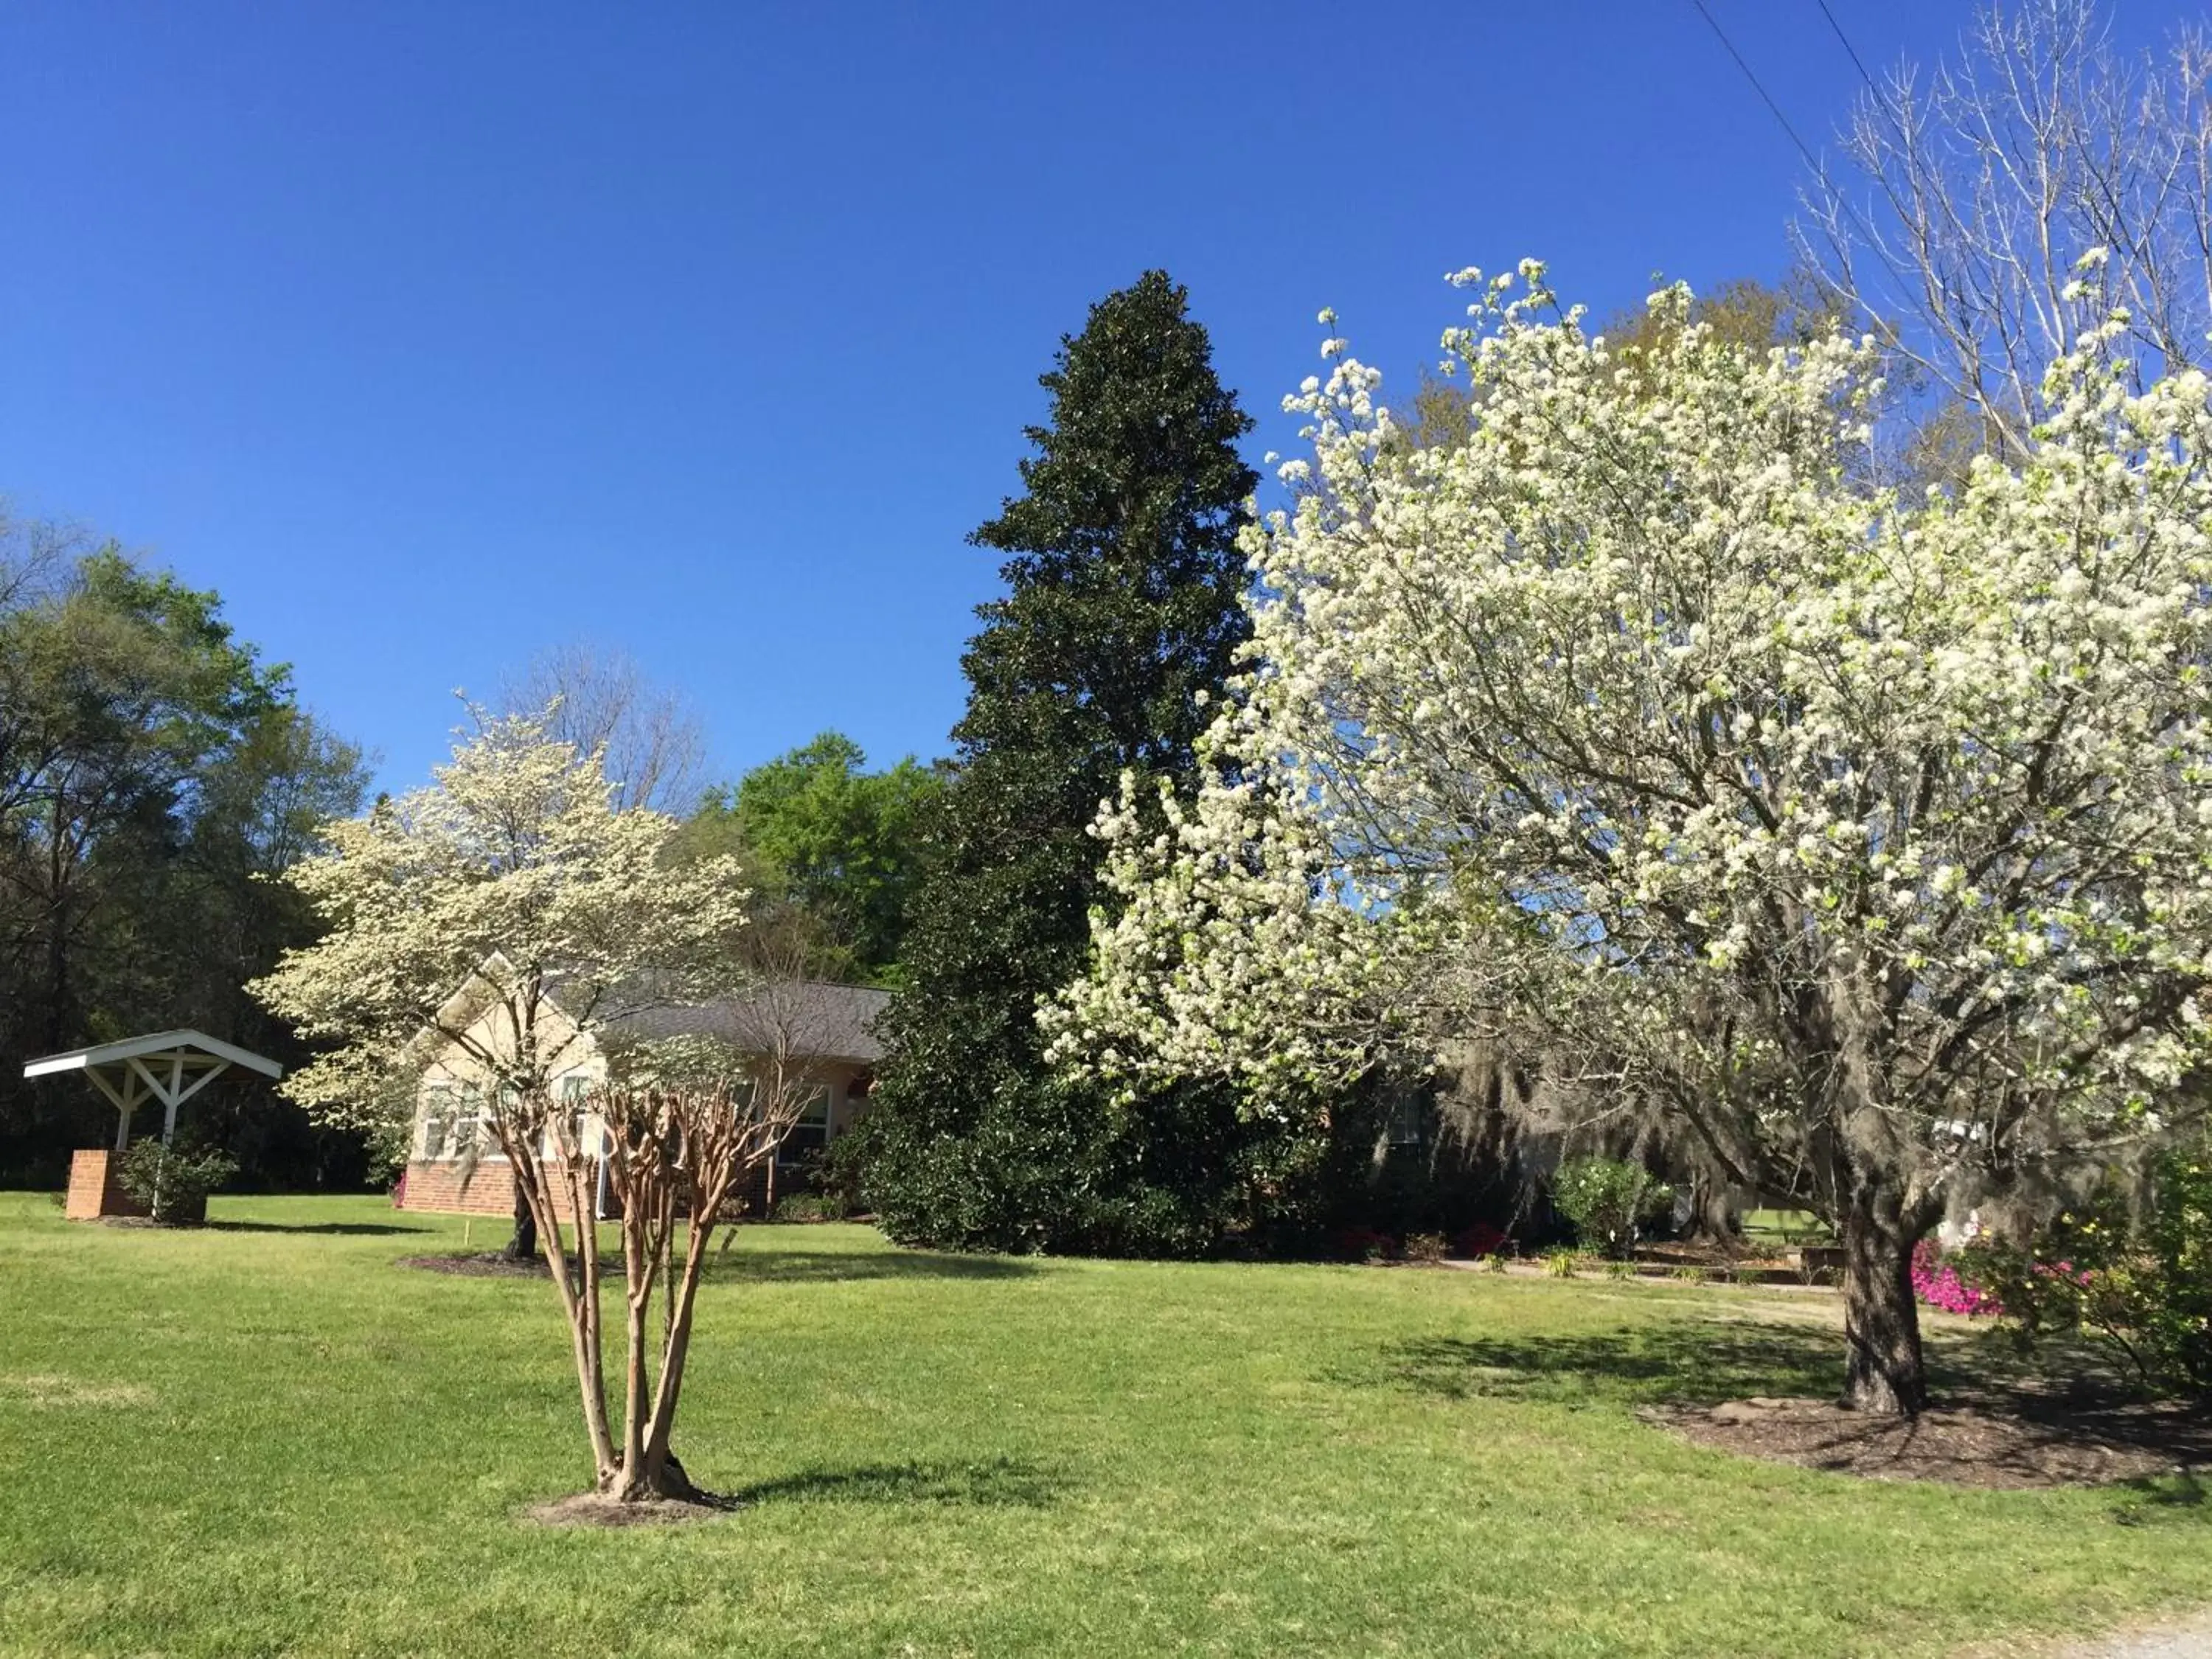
{"type": "Point", "coordinates": [498, 924]}
{"type": "Point", "coordinates": [1870, 837]}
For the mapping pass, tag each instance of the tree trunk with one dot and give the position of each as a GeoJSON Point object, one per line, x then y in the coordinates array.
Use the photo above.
{"type": "Point", "coordinates": [1713, 1218]}
{"type": "Point", "coordinates": [523, 1247]}
{"type": "Point", "coordinates": [658, 1477]}
{"type": "Point", "coordinates": [1882, 1316]}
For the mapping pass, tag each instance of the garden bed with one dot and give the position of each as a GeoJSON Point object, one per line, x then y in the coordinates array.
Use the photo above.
{"type": "Point", "coordinates": [1742, 1273]}
{"type": "Point", "coordinates": [2028, 1443]}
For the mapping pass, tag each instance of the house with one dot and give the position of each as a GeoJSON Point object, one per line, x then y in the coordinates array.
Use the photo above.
{"type": "Point", "coordinates": [454, 1165]}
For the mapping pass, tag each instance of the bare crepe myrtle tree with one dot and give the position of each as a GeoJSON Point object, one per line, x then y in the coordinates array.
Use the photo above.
{"type": "Point", "coordinates": [672, 1144]}
{"type": "Point", "coordinates": [668, 1147]}
{"type": "Point", "coordinates": [1966, 196]}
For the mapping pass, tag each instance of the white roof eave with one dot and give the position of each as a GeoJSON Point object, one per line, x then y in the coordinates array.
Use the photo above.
{"type": "Point", "coordinates": [162, 1044]}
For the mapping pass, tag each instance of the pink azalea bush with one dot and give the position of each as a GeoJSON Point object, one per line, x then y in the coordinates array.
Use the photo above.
{"type": "Point", "coordinates": [1937, 1283]}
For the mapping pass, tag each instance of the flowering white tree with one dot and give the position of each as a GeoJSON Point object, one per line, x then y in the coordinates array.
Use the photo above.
{"type": "Point", "coordinates": [1871, 836]}
{"type": "Point", "coordinates": [500, 922]}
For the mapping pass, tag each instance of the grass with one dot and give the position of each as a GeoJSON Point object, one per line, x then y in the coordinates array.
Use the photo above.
{"type": "Point", "coordinates": [1781, 1229]}
{"type": "Point", "coordinates": [265, 1438]}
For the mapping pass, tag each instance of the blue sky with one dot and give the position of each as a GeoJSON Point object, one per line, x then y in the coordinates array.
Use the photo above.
{"type": "Point", "coordinates": [432, 335]}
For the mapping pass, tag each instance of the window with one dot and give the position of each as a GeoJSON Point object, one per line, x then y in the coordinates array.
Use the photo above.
{"type": "Point", "coordinates": [469, 1136]}
{"type": "Point", "coordinates": [570, 1090]}
{"type": "Point", "coordinates": [454, 1123]}
{"type": "Point", "coordinates": [1408, 1121]}
{"type": "Point", "coordinates": [810, 1132]}
{"type": "Point", "coordinates": [437, 1119]}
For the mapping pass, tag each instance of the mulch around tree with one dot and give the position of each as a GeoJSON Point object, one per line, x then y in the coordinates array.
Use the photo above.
{"type": "Point", "coordinates": [590, 1508]}
{"type": "Point", "coordinates": [2022, 1442]}
{"type": "Point", "coordinates": [494, 1264]}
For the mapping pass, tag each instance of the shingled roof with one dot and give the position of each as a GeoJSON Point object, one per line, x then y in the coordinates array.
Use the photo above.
{"type": "Point", "coordinates": [828, 1022]}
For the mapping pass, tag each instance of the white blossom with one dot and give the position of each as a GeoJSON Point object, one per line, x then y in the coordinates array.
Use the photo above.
{"type": "Point", "coordinates": [1639, 717]}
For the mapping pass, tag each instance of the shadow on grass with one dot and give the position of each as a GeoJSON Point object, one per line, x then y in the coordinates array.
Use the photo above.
{"type": "Point", "coordinates": [2165, 1499]}
{"type": "Point", "coordinates": [1703, 1363]}
{"type": "Point", "coordinates": [1000, 1483]}
{"type": "Point", "coordinates": [792, 1265]}
{"type": "Point", "coordinates": [358, 1229]}
{"type": "Point", "coordinates": [1688, 1364]}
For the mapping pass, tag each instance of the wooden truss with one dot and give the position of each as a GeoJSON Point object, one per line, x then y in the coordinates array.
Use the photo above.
{"type": "Point", "coordinates": [170, 1066]}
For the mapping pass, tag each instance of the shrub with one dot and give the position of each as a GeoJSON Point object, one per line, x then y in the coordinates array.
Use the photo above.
{"type": "Point", "coordinates": [1365, 1244]}
{"type": "Point", "coordinates": [1562, 1263]}
{"type": "Point", "coordinates": [1939, 1284]}
{"type": "Point", "coordinates": [843, 1167]}
{"type": "Point", "coordinates": [173, 1182]}
{"type": "Point", "coordinates": [811, 1207]}
{"type": "Point", "coordinates": [2139, 1280]}
{"type": "Point", "coordinates": [1606, 1198]}
{"type": "Point", "coordinates": [1479, 1240]}
{"type": "Point", "coordinates": [1426, 1246]}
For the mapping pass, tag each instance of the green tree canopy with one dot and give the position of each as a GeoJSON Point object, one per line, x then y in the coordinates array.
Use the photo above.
{"type": "Point", "coordinates": [818, 830]}
{"type": "Point", "coordinates": [152, 768]}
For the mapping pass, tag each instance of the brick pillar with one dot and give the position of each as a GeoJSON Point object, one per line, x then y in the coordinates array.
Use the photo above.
{"type": "Point", "coordinates": [92, 1189]}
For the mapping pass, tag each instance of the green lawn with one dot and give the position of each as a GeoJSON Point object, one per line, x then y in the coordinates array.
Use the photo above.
{"type": "Point", "coordinates": [265, 1438]}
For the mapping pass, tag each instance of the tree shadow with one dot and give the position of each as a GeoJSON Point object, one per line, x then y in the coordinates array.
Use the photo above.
{"type": "Point", "coordinates": [807, 1267]}
{"type": "Point", "coordinates": [1686, 1362]}
{"type": "Point", "coordinates": [2182, 1496]}
{"type": "Point", "coordinates": [1702, 1362]}
{"type": "Point", "coordinates": [351, 1228]}
{"type": "Point", "coordinates": [998, 1483]}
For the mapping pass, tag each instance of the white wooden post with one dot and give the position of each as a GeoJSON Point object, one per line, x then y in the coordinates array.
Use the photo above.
{"type": "Point", "coordinates": [175, 1091]}
{"type": "Point", "coordinates": [169, 1101]}
{"type": "Point", "coordinates": [124, 1099]}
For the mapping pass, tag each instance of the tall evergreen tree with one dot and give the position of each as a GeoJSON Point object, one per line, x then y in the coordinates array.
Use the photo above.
{"type": "Point", "coordinates": [1123, 580]}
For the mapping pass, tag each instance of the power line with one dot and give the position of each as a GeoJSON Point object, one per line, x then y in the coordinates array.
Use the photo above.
{"type": "Point", "coordinates": [1850, 51]}
{"type": "Point", "coordinates": [1720, 34]}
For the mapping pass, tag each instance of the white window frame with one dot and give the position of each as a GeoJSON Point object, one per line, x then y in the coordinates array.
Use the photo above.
{"type": "Point", "coordinates": [568, 1091]}
{"type": "Point", "coordinates": [437, 1111]}
{"type": "Point", "coordinates": [819, 1098]}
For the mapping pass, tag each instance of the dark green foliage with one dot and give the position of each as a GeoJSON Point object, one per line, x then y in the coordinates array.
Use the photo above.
{"type": "Point", "coordinates": [1122, 603]}
{"type": "Point", "coordinates": [2132, 1271]}
{"type": "Point", "coordinates": [819, 831]}
{"type": "Point", "coordinates": [152, 770]}
{"type": "Point", "coordinates": [173, 1182]}
{"type": "Point", "coordinates": [1608, 1199]}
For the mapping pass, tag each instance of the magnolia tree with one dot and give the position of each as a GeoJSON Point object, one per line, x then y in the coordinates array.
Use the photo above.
{"type": "Point", "coordinates": [1869, 838]}
{"type": "Point", "coordinates": [502, 924]}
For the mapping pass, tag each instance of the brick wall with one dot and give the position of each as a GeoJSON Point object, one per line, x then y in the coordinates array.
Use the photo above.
{"type": "Point", "coordinates": [434, 1184]}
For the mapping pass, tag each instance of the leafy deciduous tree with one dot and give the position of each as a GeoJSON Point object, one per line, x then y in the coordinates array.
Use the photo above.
{"type": "Point", "coordinates": [151, 771]}
{"type": "Point", "coordinates": [818, 830]}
